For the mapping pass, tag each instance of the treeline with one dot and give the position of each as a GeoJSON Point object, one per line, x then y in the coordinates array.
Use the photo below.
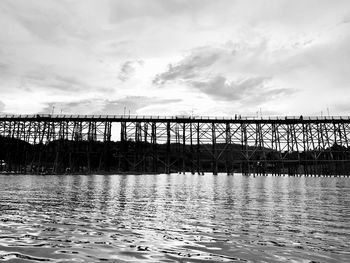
{"type": "Point", "coordinates": [64, 156]}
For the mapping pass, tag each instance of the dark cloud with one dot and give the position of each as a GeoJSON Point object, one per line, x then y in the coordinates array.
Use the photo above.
{"type": "Point", "coordinates": [128, 69]}
{"type": "Point", "coordinates": [208, 69]}
{"type": "Point", "coordinates": [191, 66]}
{"type": "Point", "coordinates": [220, 88]}
{"type": "Point", "coordinates": [254, 89]}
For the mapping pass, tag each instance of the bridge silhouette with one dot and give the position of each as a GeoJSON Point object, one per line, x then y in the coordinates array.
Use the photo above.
{"type": "Point", "coordinates": [309, 145]}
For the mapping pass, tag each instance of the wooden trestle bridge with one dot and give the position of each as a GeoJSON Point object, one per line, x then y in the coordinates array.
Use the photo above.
{"type": "Point", "coordinates": [159, 144]}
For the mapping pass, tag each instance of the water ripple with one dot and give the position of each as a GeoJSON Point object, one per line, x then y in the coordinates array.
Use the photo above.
{"type": "Point", "coordinates": [174, 218]}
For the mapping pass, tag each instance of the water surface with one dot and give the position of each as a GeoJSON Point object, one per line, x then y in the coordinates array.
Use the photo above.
{"type": "Point", "coordinates": [174, 218]}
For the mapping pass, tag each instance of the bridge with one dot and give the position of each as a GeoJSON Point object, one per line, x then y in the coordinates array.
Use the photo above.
{"type": "Point", "coordinates": [165, 144]}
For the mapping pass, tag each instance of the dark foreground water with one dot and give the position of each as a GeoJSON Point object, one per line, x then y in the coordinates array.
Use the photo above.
{"type": "Point", "coordinates": [174, 218]}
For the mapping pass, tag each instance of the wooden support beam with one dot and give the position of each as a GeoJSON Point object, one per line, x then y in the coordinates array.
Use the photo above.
{"type": "Point", "coordinates": [168, 150]}
{"type": "Point", "coordinates": [214, 149]}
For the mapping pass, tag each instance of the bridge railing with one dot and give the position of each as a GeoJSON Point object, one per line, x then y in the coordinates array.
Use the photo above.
{"type": "Point", "coordinates": [176, 117]}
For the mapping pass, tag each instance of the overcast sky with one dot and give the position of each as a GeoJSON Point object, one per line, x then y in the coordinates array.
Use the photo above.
{"type": "Point", "coordinates": [217, 57]}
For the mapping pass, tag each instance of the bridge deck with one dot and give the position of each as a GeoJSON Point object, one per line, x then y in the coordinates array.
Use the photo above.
{"type": "Point", "coordinates": [180, 118]}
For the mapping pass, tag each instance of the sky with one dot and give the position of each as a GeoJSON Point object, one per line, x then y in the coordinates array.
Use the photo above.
{"type": "Point", "coordinates": [175, 57]}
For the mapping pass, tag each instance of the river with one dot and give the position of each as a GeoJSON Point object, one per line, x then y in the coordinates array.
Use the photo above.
{"type": "Point", "coordinates": [174, 218]}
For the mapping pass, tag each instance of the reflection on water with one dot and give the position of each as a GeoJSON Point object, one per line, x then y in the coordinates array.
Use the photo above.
{"type": "Point", "coordinates": [174, 218]}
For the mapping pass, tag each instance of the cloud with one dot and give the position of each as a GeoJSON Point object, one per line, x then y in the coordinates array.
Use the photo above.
{"type": "Point", "coordinates": [2, 106]}
{"type": "Point", "coordinates": [224, 53]}
{"type": "Point", "coordinates": [4, 69]}
{"type": "Point", "coordinates": [122, 11]}
{"type": "Point", "coordinates": [134, 104]}
{"type": "Point", "coordinates": [128, 69]}
{"type": "Point", "coordinates": [343, 108]}
{"type": "Point", "coordinates": [49, 21]}
{"type": "Point", "coordinates": [3, 66]}
{"type": "Point", "coordinates": [256, 67]}
{"type": "Point", "coordinates": [130, 104]}
{"type": "Point", "coordinates": [190, 66]}
{"type": "Point", "coordinates": [49, 80]}
{"type": "Point", "coordinates": [222, 73]}
{"type": "Point", "coordinates": [250, 90]}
